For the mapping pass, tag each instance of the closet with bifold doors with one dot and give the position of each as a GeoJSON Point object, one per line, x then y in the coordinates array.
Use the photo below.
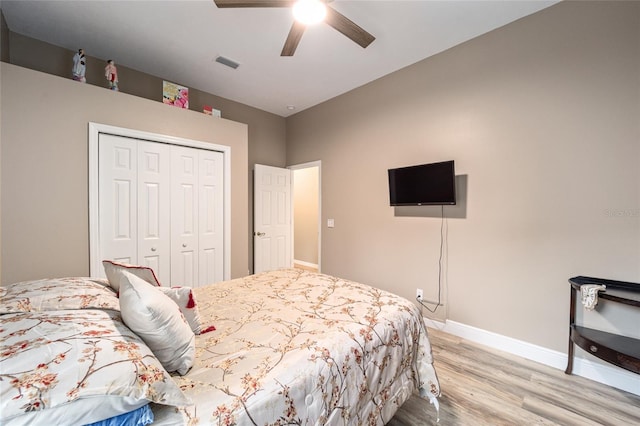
{"type": "Point", "coordinates": [162, 205]}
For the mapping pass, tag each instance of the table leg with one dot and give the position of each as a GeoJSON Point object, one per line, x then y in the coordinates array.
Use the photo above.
{"type": "Point", "coordinates": [572, 322]}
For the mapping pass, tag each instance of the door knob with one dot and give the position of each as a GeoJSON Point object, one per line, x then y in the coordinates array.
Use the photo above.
{"type": "Point", "coordinates": [153, 249]}
{"type": "Point", "coordinates": [184, 244]}
{"type": "Point", "coordinates": [260, 234]}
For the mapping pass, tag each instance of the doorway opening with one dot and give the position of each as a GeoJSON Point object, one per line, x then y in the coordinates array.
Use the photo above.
{"type": "Point", "coordinates": [307, 215]}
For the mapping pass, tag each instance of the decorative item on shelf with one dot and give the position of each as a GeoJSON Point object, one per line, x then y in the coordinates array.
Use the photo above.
{"type": "Point", "coordinates": [111, 74]}
{"type": "Point", "coordinates": [174, 94]}
{"type": "Point", "coordinates": [79, 66]}
{"type": "Point", "coordinates": [209, 110]}
{"type": "Point", "coordinates": [589, 294]}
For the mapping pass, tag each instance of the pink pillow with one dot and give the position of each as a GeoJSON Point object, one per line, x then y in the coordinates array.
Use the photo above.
{"type": "Point", "coordinates": [114, 273]}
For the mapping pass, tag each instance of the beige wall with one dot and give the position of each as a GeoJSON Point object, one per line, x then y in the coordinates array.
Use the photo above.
{"type": "Point", "coordinates": [267, 132]}
{"type": "Point", "coordinates": [543, 117]}
{"type": "Point", "coordinates": [305, 214]}
{"type": "Point", "coordinates": [44, 182]}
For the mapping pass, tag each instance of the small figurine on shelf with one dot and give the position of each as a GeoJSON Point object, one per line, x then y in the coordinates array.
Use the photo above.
{"type": "Point", "coordinates": [79, 66]}
{"type": "Point", "coordinates": [111, 74]}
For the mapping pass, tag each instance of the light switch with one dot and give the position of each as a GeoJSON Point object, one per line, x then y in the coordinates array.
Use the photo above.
{"type": "Point", "coordinates": [330, 223]}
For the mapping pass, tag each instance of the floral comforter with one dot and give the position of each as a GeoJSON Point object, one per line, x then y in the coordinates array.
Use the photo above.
{"type": "Point", "coordinates": [76, 367]}
{"type": "Point", "coordinates": [294, 347]}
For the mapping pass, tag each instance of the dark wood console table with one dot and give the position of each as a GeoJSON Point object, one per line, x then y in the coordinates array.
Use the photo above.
{"type": "Point", "coordinates": [618, 350]}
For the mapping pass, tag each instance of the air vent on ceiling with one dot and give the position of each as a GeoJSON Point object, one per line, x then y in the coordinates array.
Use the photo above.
{"type": "Point", "coordinates": [228, 62]}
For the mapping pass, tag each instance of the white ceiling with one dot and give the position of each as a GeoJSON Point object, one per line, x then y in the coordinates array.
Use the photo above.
{"type": "Point", "coordinates": [179, 41]}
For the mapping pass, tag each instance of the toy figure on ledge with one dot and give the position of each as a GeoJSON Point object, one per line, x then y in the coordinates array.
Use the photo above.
{"type": "Point", "coordinates": [79, 66]}
{"type": "Point", "coordinates": [111, 74]}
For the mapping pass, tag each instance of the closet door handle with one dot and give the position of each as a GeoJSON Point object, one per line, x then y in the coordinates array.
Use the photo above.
{"type": "Point", "coordinates": [184, 244]}
{"type": "Point", "coordinates": [153, 249]}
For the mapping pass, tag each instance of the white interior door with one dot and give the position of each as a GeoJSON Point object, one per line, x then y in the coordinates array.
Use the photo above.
{"type": "Point", "coordinates": [184, 216]}
{"type": "Point", "coordinates": [134, 181]}
{"type": "Point", "coordinates": [272, 218]}
{"type": "Point", "coordinates": [117, 208]}
{"type": "Point", "coordinates": [153, 208]}
{"type": "Point", "coordinates": [211, 236]}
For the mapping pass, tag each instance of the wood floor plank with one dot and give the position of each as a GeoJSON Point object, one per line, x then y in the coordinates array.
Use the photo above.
{"type": "Point", "coordinates": [558, 415]}
{"type": "Point", "coordinates": [587, 398]}
{"type": "Point", "coordinates": [482, 386]}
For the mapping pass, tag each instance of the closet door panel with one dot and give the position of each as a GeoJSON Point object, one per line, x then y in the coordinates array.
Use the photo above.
{"type": "Point", "coordinates": [211, 235]}
{"type": "Point", "coordinates": [184, 216]}
{"type": "Point", "coordinates": [154, 204]}
{"type": "Point", "coordinates": [162, 206]}
{"type": "Point", "coordinates": [118, 198]}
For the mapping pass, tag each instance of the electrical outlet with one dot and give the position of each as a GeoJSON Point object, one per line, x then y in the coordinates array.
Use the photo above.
{"type": "Point", "coordinates": [419, 293]}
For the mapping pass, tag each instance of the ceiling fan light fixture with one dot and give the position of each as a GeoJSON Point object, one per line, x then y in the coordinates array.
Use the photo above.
{"type": "Point", "coordinates": [309, 12]}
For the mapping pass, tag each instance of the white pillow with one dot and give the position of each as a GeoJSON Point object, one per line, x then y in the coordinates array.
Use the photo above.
{"type": "Point", "coordinates": [183, 297]}
{"type": "Point", "coordinates": [114, 271]}
{"type": "Point", "coordinates": [158, 321]}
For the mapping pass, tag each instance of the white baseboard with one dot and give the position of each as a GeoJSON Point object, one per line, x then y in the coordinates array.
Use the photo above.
{"type": "Point", "coordinates": [608, 375]}
{"type": "Point", "coordinates": [307, 264]}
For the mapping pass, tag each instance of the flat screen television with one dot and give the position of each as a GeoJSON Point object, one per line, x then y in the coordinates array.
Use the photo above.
{"type": "Point", "coordinates": [423, 185]}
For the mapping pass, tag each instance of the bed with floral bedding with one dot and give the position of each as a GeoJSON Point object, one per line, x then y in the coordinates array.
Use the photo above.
{"type": "Point", "coordinates": [276, 348]}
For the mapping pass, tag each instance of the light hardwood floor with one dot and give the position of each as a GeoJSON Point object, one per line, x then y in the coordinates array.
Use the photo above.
{"type": "Point", "coordinates": [306, 268]}
{"type": "Point", "coordinates": [483, 386]}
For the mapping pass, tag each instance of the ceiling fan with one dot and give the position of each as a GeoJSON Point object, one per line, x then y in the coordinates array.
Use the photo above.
{"type": "Point", "coordinates": [333, 18]}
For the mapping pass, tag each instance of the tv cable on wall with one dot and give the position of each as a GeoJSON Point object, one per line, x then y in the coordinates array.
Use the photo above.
{"type": "Point", "coordinates": [439, 302]}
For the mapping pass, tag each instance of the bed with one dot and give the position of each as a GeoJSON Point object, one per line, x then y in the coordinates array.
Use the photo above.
{"type": "Point", "coordinates": [280, 347]}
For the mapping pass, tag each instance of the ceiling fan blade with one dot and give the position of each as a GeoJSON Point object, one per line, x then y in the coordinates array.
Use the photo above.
{"type": "Point", "coordinates": [253, 3]}
{"type": "Point", "coordinates": [295, 34]}
{"type": "Point", "coordinates": [347, 27]}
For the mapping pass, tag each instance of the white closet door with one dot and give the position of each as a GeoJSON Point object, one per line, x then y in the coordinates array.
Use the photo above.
{"type": "Point", "coordinates": [154, 220]}
{"type": "Point", "coordinates": [118, 198]}
{"type": "Point", "coordinates": [211, 223]}
{"type": "Point", "coordinates": [162, 206]}
{"type": "Point", "coordinates": [184, 216]}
